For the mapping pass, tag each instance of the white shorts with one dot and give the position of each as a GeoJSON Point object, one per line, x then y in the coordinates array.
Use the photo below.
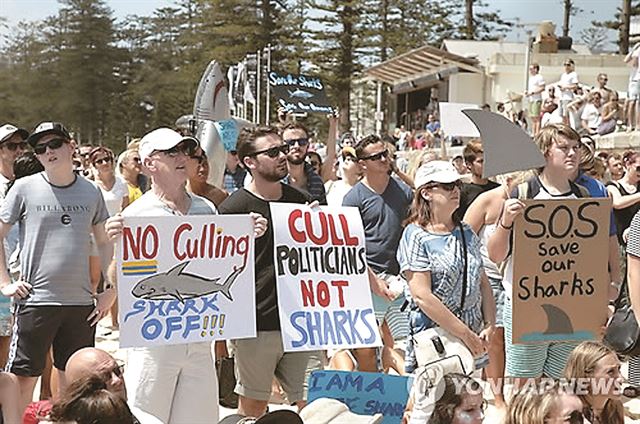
{"type": "Point", "coordinates": [176, 384]}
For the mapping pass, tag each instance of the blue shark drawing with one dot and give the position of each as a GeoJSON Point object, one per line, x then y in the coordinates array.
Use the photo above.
{"type": "Point", "coordinates": [180, 285]}
{"type": "Point", "coordinates": [301, 93]}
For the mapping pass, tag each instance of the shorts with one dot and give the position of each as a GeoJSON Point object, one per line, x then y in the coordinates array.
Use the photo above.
{"type": "Point", "coordinates": [534, 360]}
{"type": "Point", "coordinates": [261, 358]}
{"type": "Point", "coordinates": [176, 384]}
{"type": "Point", "coordinates": [564, 110]}
{"type": "Point", "coordinates": [634, 90]}
{"type": "Point", "coordinates": [37, 328]}
{"type": "Point", "coordinates": [390, 311]}
{"type": "Point", "coordinates": [534, 109]}
{"type": "Point", "coordinates": [499, 295]}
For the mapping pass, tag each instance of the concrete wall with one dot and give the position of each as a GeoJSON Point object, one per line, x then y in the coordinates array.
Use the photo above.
{"type": "Point", "coordinates": [466, 88]}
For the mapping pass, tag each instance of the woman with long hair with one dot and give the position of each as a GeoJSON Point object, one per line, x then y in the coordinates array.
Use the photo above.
{"type": "Point", "coordinates": [544, 402]}
{"type": "Point", "coordinates": [441, 260]}
{"type": "Point", "coordinates": [113, 188]}
{"type": "Point", "coordinates": [593, 371]}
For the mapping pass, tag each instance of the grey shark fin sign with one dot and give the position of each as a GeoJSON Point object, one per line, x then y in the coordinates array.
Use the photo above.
{"type": "Point", "coordinates": [299, 93]}
{"type": "Point", "coordinates": [507, 148]}
{"type": "Point", "coordinates": [181, 285]}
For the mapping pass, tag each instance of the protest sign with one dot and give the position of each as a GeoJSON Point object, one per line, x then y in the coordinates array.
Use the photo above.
{"type": "Point", "coordinates": [299, 93]}
{"type": "Point", "coordinates": [185, 279]}
{"type": "Point", "coordinates": [324, 298]}
{"type": "Point", "coordinates": [365, 393]}
{"type": "Point", "coordinates": [560, 277]}
{"type": "Point", "coordinates": [455, 123]}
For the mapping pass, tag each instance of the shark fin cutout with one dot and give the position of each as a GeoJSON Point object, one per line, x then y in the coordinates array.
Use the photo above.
{"type": "Point", "coordinates": [507, 148]}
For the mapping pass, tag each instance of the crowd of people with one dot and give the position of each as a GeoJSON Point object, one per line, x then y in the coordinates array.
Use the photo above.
{"type": "Point", "coordinates": [439, 253]}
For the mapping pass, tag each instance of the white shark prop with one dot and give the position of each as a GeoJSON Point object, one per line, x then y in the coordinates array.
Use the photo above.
{"type": "Point", "coordinates": [214, 125]}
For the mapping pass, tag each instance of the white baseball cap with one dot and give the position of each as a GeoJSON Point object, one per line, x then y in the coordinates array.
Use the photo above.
{"type": "Point", "coordinates": [436, 171]}
{"type": "Point", "coordinates": [160, 139]}
{"type": "Point", "coordinates": [8, 130]}
{"type": "Point", "coordinates": [332, 411]}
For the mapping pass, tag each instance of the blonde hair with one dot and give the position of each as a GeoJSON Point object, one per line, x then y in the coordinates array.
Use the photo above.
{"type": "Point", "coordinates": [533, 404]}
{"type": "Point", "coordinates": [582, 364]}
{"type": "Point", "coordinates": [416, 160]}
{"type": "Point", "coordinates": [551, 133]}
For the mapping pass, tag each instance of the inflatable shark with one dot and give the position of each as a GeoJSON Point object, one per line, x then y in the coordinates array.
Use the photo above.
{"type": "Point", "coordinates": [216, 130]}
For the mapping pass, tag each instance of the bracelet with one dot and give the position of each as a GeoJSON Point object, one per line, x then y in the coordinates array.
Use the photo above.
{"type": "Point", "coordinates": [505, 227]}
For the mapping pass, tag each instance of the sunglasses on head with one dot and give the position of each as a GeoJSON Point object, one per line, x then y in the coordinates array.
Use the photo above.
{"type": "Point", "coordinates": [13, 146]}
{"type": "Point", "coordinates": [377, 156]}
{"type": "Point", "coordinates": [301, 141]}
{"type": "Point", "coordinates": [102, 160]}
{"type": "Point", "coordinates": [273, 152]}
{"type": "Point", "coordinates": [53, 144]}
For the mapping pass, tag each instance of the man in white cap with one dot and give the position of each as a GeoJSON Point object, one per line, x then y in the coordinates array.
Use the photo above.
{"type": "Point", "coordinates": [175, 383]}
{"type": "Point", "coordinates": [55, 305]}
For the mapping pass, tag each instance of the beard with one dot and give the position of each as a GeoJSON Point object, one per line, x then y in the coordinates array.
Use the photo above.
{"type": "Point", "coordinates": [274, 175]}
{"type": "Point", "coordinates": [297, 160]}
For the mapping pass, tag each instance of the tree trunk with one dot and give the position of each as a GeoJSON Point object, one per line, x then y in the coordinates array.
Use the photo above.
{"type": "Point", "coordinates": [468, 18]}
{"type": "Point", "coordinates": [567, 16]}
{"type": "Point", "coordinates": [624, 29]}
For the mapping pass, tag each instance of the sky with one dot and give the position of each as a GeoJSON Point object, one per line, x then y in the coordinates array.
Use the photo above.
{"type": "Point", "coordinates": [528, 11]}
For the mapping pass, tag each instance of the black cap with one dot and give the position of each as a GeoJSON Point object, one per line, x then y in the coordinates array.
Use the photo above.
{"type": "Point", "coordinates": [45, 128]}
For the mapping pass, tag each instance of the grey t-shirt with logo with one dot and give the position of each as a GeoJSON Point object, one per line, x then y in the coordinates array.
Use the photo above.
{"type": "Point", "coordinates": [55, 225]}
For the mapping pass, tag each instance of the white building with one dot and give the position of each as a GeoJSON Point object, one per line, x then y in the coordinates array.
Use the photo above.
{"type": "Point", "coordinates": [478, 72]}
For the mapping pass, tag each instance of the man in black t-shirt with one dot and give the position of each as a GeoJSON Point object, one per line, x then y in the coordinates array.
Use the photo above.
{"type": "Point", "coordinates": [259, 359]}
{"type": "Point", "coordinates": [474, 159]}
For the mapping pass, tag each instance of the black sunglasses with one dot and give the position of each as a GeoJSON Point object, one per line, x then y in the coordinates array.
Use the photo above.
{"type": "Point", "coordinates": [447, 186]}
{"type": "Point", "coordinates": [53, 144]}
{"type": "Point", "coordinates": [273, 152]}
{"type": "Point", "coordinates": [301, 141]}
{"type": "Point", "coordinates": [102, 160]}
{"type": "Point", "coordinates": [377, 156]}
{"type": "Point", "coordinates": [13, 146]}
{"type": "Point", "coordinates": [117, 370]}
{"type": "Point", "coordinates": [184, 148]}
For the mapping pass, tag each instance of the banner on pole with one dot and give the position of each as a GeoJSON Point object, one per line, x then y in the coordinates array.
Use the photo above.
{"type": "Point", "coordinates": [324, 298]}
{"type": "Point", "coordinates": [299, 93]}
{"type": "Point", "coordinates": [185, 279]}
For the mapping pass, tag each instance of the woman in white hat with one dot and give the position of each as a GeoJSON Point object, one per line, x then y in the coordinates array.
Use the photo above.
{"type": "Point", "coordinates": [440, 258]}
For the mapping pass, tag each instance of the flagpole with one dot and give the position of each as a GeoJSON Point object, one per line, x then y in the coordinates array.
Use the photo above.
{"type": "Point", "coordinates": [268, 103]}
{"type": "Point", "coordinates": [258, 81]}
{"type": "Point", "coordinates": [244, 99]}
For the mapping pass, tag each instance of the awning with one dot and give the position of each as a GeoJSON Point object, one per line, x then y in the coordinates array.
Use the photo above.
{"type": "Point", "coordinates": [419, 63]}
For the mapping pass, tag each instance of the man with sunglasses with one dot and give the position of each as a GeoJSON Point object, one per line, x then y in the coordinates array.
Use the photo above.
{"type": "Point", "coordinates": [176, 383]}
{"type": "Point", "coordinates": [383, 203]}
{"type": "Point", "coordinates": [55, 304]}
{"type": "Point", "coordinates": [301, 174]}
{"type": "Point", "coordinates": [264, 154]}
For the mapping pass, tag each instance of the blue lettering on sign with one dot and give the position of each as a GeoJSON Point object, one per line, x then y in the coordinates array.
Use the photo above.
{"type": "Point", "coordinates": [364, 392]}
{"type": "Point", "coordinates": [172, 318]}
{"type": "Point", "coordinates": [323, 328]}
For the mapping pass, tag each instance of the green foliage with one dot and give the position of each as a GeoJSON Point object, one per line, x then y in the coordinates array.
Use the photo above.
{"type": "Point", "coordinates": [616, 23]}
{"type": "Point", "coordinates": [111, 80]}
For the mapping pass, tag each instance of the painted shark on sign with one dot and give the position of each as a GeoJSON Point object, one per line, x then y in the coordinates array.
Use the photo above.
{"type": "Point", "coordinates": [180, 285]}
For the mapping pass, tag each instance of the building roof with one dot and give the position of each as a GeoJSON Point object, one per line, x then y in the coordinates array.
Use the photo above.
{"type": "Point", "coordinates": [418, 63]}
{"type": "Point", "coordinates": [484, 50]}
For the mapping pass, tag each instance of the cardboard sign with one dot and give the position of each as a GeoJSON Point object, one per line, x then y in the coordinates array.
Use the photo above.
{"type": "Point", "coordinates": [365, 393]}
{"type": "Point", "coordinates": [185, 279]}
{"type": "Point", "coordinates": [299, 93]}
{"type": "Point", "coordinates": [324, 298]}
{"type": "Point", "coordinates": [455, 123]}
{"type": "Point", "coordinates": [560, 277]}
